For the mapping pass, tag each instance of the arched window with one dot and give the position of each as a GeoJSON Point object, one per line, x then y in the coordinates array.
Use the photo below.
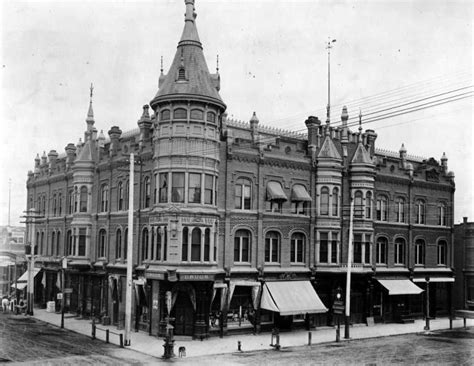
{"type": "Point", "coordinates": [243, 194]}
{"type": "Point", "coordinates": [184, 247]}
{"type": "Point", "coordinates": [43, 250]}
{"type": "Point", "coordinates": [197, 114]}
{"type": "Point", "coordinates": [120, 195]}
{"type": "Point", "coordinates": [70, 202]}
{"type": "Point", "coordinates": [382, 208]}
{"type": "Point", "coordinates": [102, 243]}
{"type": "Point", "coordinates": [165, 115]}
{"type": "Point", "coordinates": [442, 253]}
{"type": "Point", "coordinates": [399, 252]}
{"type": "Point", "coordinates": [145, 244]}
{"type": "Point", "coordinates": [298, 247]}
{"type": "Point", "coordinates": [368, 205]}
{"type": "Point", "coordinates": [242, 243]}
{"type": "Point", "coordinates": [180, 113]}
{"type": "Point", "coordinates": [60, 204]}
{"type": "Point", "coordinates": [324, 201]}
{"type": "Point", "coordinates": [104, 198]}
{"type": "Point", "coordinates": [335, 201]}
{"type": "Point", "coordinates": [196, 245]}
{"type": "Point", "coordinates": [358, 204]}
{"type": "Point", "coordinates": [420, 212]}
{"type": "Point", "coordinates": [419, 252]}
{"type": "Point", "coordinates": [83, 199]}
{"type": "Point", "coordinates": [118, 244]}
{"type": "Point", "coordinates": [381, 250]}
{"type": "Point", "coordinates": [272, 247]}
{"type": "Point", "coordinates": [207, 244]}
{"type": "Point", "coordinates": [181, 74]}
{"type": "Point", "coordinates": [442, 214]}
{"type": "Point", "coordinates": [211, 117]}
{"type": "Point", "coordinates": [400, 202]}
{"type": "Point", "coordinates": [146, 192]}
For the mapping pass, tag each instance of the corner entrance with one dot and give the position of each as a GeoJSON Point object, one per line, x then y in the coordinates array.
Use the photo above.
{"type": "Point", "coordinates": [183, 314]}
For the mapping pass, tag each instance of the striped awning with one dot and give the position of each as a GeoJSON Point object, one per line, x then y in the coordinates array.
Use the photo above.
{"type": "Point", "coordinates": [275, 192]}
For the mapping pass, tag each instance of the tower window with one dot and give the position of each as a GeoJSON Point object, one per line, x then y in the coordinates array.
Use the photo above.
{"type": "Point", "coordinates": [181, 74]}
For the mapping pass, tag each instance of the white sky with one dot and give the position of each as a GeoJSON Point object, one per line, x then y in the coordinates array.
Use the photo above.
{"type": "Point", "coordinates": [272, 60]}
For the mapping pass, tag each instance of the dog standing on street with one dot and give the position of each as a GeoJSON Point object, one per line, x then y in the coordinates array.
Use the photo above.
{"type": "Point", "coordinates": [182, 351]}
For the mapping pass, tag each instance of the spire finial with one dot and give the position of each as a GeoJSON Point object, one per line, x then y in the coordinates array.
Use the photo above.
{"type": "Point", "coordinates": [217, 64]}
{"type": "Point", "coordinates": [90, 113]}
{"type": "Point", "coordinates": [360, 120]}
{"type": "Point", "coordinates": [92, 90]}
{"type": "Point", "coordinates": [161, 69]}
{"type": "Point", "coordinates": [328, 108]}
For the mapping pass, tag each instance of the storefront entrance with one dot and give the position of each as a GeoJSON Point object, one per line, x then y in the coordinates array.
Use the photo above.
{"type": "Point", "coordinates": [183, 314]}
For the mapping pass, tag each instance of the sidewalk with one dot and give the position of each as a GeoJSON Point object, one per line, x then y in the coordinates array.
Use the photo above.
{"type": "Point", "coordinates": [153, 346]}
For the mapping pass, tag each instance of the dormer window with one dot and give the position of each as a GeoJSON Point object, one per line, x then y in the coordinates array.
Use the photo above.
{"type": "Point", "coordinates": [181, 74]}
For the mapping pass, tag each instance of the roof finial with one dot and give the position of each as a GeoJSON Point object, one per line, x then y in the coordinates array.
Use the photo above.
{"type": "Point", "coordinates": [92, 90]}
{"type": "Point", "coordinates": [328, 108]}
{"type": "Point", "coordinates": [217, 64]}
{"type": "Point", "coordinates": [161, 65]}
{"type": "Point", "coordinates": [90, 113]}
{"type": "Point", "coordinates": [360, 125]}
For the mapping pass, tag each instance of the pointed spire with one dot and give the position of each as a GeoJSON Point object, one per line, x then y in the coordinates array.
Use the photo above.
{"type": "Point", "coordinates": [217, 64]}
{"type": "Point", "coordinates": [90, 113]}
{"type": "Point", "coordinates": [190, 34]}
{"type": "Point", "coordinates": [161, 68]}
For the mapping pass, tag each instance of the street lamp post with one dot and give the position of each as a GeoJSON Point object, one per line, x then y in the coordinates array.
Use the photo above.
{"type": "Point", "coordinates": [348, 276]}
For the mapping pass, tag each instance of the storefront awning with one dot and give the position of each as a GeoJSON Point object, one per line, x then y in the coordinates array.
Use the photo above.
{"type": "Point", "coordinates": [24, 276]}
{"type": "Point", "coordinates": [291, 298]}
{"type": "Point", "coordinates": [20, 286]}
{"type": "Point", "coordinates": [400, 287]}
{"type": "Point", "coordinates": [435, 279]}
{"type": "Point", "coordinates": [275, 192]}
{"type": "Point", "coordinates": [299, 193]}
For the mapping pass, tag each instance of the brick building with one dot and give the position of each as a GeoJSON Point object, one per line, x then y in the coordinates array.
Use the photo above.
{"type": "Point", "coordinates": [464, 265]}
{"type": "Point", "coordinates": [238, 226]}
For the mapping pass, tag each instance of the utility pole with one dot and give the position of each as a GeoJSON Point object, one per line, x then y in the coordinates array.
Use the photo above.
{"type": "Point", "coordinates": [128, 295]}
{"type": "Point", "coordinates": [328, 108]}
{"type": "Point", "coordinates": [31, 218]}
{"type": "Point", "coordinates": [348, 277]}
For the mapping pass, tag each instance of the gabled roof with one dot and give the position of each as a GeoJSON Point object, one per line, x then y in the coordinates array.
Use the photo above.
{"type": "Point", "coordinates": [198, 81]}
{"type": "Point", "coordinates": [328, 150]}
{"type": "Point", "coordinates": [361, 155]}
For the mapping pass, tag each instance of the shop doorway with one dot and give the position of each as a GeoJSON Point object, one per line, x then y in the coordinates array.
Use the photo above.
{"type": "Point", "coordinates": [184, 315]}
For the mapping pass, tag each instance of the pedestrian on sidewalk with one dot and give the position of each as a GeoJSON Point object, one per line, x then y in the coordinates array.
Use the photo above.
{"type": "Point", "coordinates": [5, 304]}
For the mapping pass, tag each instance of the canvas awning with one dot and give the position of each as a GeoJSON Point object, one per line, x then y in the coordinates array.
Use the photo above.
{"type": "Point", "coordinates": [299, 193]}
{"type": "Point", "coordinates": [20, 286]}
{"type": "Point", "coordinates": [24, 276]}
{"type": "Point", "coordinates": [435, 279]}
{"type": "Point", "coordinates": [291, 298]}
{"type": "Point", "coordinates": [275, 192]}
{"type": "Point", "coordinates": [400, 287]}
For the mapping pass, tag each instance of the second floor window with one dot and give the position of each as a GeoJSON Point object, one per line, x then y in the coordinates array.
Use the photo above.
{"type": "Point", "coordinates": [381, 250]}
{"type": "Point", "coordinates": [118, 244]}
{"type": "Point", "coordinates": [420, 212]}
{"type": "Point", "coordinates": [300, 200]}
{"type": "Point", "coordinates": [208, 189]}
{"type": "Point", "coordinates": [146, 192]}
{"type": "Point", "coordinates": [104, 198]}
{"type": "Point", "coordinates": [242, 241]}
{"type": "Point", "coordinates": [419, 252]}
{"type": "Point", "coordinates": [243, 195]}
{"type": "Point", "coordinates": [442, 253]}
{"type": "Point", "coordinates": [177, 189]}
{"type": "Point", "coordinates": [272, 247]}
{"type": "Point", "coordinates": [298, 247]}
{"type": "Point", "coordinates": [145, 248]}
{"type": "Point", "coordinates": [335, 202]}
{"type": "Point", "coordinates": [368, 205]}
{"type": "Point", "coordinates": [382, 204]}
{"type": "Point", "coordinates": [102, 244]}
{"type": "Point", "coordinates": [399, 252]}
{"type": "Point", "coordinates": [442, 215]}
{"type": "Point", "coordinates": [163, 194]}
{"type": "Point", "coordinates": [194, 191]}
{"type": "Point", "coordinates": [358, 205]}
{"type": "Point", "coordinates": [400, 207]}
{"type": "Point", "coordinates": [120, 196]}
{"type": "Point", "coordinates": [275, 197]}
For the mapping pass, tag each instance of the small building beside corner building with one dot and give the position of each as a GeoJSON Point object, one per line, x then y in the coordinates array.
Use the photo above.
{"type": "Point", "coordinates": [239, 227]}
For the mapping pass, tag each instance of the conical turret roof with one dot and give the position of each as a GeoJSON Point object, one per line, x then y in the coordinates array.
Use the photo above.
{"type": "Point", "coordinates": [329, 150]}
{"type": "Point", "coordinates": [189, 75]}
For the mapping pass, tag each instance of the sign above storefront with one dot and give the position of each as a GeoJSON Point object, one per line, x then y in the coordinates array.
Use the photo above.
{"type": "Point", "coordinates": [155, 276]}
{"type": "Point", "coordinates": [196, 277]}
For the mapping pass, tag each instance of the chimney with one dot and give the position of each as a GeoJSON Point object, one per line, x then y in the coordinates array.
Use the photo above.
{"type": "Point", "coordinates": [52, 157]}
{"type": "Point", "coordinates": [254, 127]}
{"type": "Point", "coordinates": [144, 123]}
{"type": "Point", "coordinates": [70, 154]}
{"type": "Point", "coordinates": [114, 133]}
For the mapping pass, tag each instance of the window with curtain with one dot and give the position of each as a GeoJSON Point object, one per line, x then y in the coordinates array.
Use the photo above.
{"type": "Point", "coordinates": [163, 183]}
{"type": "Point", "coordinates": [177, 187]}
{"type": "Point", "coordinates": [194, 188]}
